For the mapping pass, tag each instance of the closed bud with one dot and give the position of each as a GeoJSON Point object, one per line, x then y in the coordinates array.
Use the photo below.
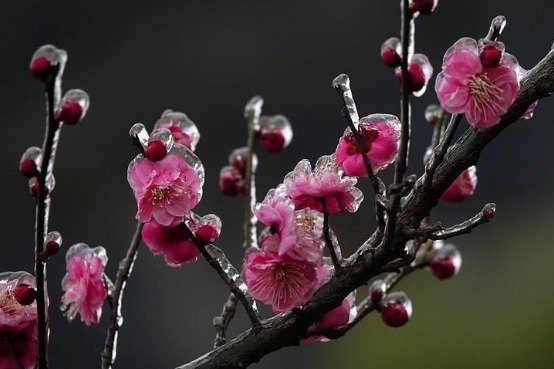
{"type": "Point", "coordinates": [391, 52]}
{"type": "Point", "coordinates": [46, 61]}
{"type": "Point", "coordinates": [25, 294]}
{"type": "Point", "coordinates": [419, 74]}
{"type": "Point", "coordinates": [424, 7]}
{"type": "Point", "coordinates": [155, 150]}
{"type": "Point", "coordinates": [73, 107]}
{"type": "Point", "coordinates": [444, 262]}
{"type": "Point", "coordinates": [275, 132]}
{"type": "Point", "coordinates": [396, 309]}
{"type": "Point", "coordinates": [462, 187]}
{"type": "Point", "coordinates": [490, 53]}
{"type": "Point", "coordinates": [377, 291]}
{"type": "Point", "coordinates": [30, 162]}
{"type": "Point", "coordinates": [231, 181]}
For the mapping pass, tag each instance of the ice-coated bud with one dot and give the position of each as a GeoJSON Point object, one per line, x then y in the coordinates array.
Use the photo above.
{"type": "Point", "coordinates": [490, 53]}
{"type": "Point", "coordinates": [462, 187]}
{"type": "Point", "coordinates": [396, 309]}
{"type": "Point", "coordinates": [237, 158]}
{"type": "Point", "coordinates": [182, 128]}
{"type": "Point", "coordinates": [30, 162]}
{"type": "Point", "coordinates": [231, 181]}
{"type": "Point", "coordinates": [434, 114]}
{"type": "Point", "coordinates": [275, 132]}
{"type": "Point", "coordinates": [489, 211]}
{"type": "Point", "coordinates": [377, 291]}
{"type": "Point", "coordinates": [424, 7]}
{"type": "Point", "coordinates": [391, 51]}
{"type": "Point", "coordinates": [34, 185]}
{"type": "Point", "coordinates": [73, 107]}
{"type": "Point", "coordinates": [139, 135]}
{"type": "Point", "coordinates": [24, 294]}
{"type": "Point", "coordinates": [207, 229]}
{"type": "Point", "coordinates": [419, 74]}
{"type": "Point", "coordinates": [155, 150]}
{"type": "Point", "coordinates": [52, 243]}
{"type": "Point", "coordinates": [45, 61]}
{"type": "Point", "coordinates": [445, 262]}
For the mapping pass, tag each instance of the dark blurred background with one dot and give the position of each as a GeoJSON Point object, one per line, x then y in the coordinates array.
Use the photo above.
{"type": "Point", "coordinates": [207, 58]}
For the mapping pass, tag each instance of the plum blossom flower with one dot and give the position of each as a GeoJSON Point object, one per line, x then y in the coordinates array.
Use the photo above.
{"type": "Point", "coordinates": [466, 86]}
{"type": "Point", "coordinates": [462, 187]}
{"type": "Point", "coordinates": [18, 333]}
{"type": "Point", "coordinates": [380, 134]}
{"type": "Point", "coordinates": [172, 242]}
{"type": "Point", "coordinates": [83, 285]}
{"type": "Point", "coordinates": [279, 281]}
{"type": "Point", "coordinates": [308, 188]}
{"type": "Point", "coordinates": [165, 190]}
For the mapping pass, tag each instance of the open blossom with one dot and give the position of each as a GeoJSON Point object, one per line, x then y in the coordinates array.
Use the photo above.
{"type": "Point", "coordinates": [467, 86]}
{"type": "Point", "coordinates": [165, 190]}
{"type": "Point", "coordinates": [279, 281]}
{"type": "Point", "coordinates": [83, 285]}
{"type": "Point", "coordinates": [18, 329]}
{"type": "Point", "coordinates": [380, 134]}
{"type": "Point", "coordinates": [308, 188]}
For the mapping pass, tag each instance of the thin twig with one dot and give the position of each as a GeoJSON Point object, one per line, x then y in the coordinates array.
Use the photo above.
{"type": "Point", "coordinates": [484, 216]}
{"type": "Point", "coordinates": [49, 146]}
{"type": "Point", "coordinates": [407, 40]}
{"type": "Point", "coordinates": [341, 84]}
{"type": "Point", "coordinates": [328, 240]}
{"type": "Point", "coordinates": [252, 112]}
{"type": "Point", "coordinates": [221, 322]}
{"type": "Point", "coordinates": [116, 299]}
{"type": "Point", "coordinates": [229, 281]}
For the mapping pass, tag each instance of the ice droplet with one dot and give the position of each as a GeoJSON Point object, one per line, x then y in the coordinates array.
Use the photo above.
{"type": "Point", "coordinates": [139, 135]}
{"type": "Point", "coordinates": [341, 84]}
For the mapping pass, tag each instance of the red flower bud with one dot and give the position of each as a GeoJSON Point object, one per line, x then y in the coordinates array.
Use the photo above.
{"type": "Point", "coordinates": [396, 309]}
{"type": "Point", "coordinates": [24, 294]}
{"type": "Point", "coordinates": [155, 150]}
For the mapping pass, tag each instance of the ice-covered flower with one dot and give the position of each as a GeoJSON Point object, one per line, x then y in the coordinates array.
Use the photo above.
{"type": "Point", "coordinates": [380, 134]}
{"type": "Point", "coordinates": [172, 242]}
{"type": "Point", "coordinates": [462, 187]}
{"type": "Point", "coordinates": [183, 130]}
{"type": "Point", "coordinates": [466, 86]}
{"type": "Point", "coordinates": [18, 324]}
{"type": "Point", "coordinates": [83, 284]}
{"type": "Point", "coordinates": [308, 188]}
{"type": "Point", "coordinates": [279, 281]}
{"type": "Point", "coordinates": [166, 190]}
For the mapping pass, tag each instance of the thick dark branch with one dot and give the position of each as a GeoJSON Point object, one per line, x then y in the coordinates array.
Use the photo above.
{"type": "Point", "coordinates": [288, 328]}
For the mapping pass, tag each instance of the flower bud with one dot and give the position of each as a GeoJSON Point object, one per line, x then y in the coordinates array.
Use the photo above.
{"type": "Point", "coordinates": [45, 61]}
{"type": "Point", "coordinates": [73, 107]}
{"type": "Point", "coordinates": [419, 73]}
{"type": "Point", "coordinates": [391, 52]}
{"type": "Point", "coordinates": [462, 187]}
{"type": "Point", "coordinates": [434, 114]}
{"type": "Point", "coordinates": [231, 182]}
{"type": "Point", "coordinates": [445, 262]}
{"type": "Point", "coordinates": [52, 243]}
{"type": "Point", "coordinates": [207, 229]}
{"type": "Point", "coordinates": [377, 291]}
{"type": "Point", "coordinates": [396, 309]}
{"type": "Point", "coordinates": [424, 7]}
{"type": "Point", "coordinates": [30, 161]}
{"type": "Point", "coordinates": [25, 294]}
{"type": "Point", "coordinates": [155, 150]}
{"type": "Point", "coordinates": [237, 159]}
{"type": "Point", "coordinates": [275, 132]}
{"type": "Point", "coordinates": [490, 53]}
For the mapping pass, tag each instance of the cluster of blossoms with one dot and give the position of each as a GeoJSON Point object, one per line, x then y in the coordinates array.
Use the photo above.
{"type": "Point", "coordinates": [167, 180]}
{"type": "Point", "coordinates": [18, 324]}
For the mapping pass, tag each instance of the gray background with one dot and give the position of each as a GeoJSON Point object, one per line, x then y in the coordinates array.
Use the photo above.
{"type": "Point", "coordinates": [207, 58]}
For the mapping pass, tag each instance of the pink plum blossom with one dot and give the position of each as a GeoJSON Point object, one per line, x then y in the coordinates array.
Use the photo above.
{"type": "Point", "coordinates": [172, 242]}
{"type": "Point", "coordinates": [467, 87]}
{"type": "Point", "coordinates": [83, 283]}
{"type": "Point", "coordinates": [308, 188]}
{"type": "Point", "coordinates": [165, 190]}
{"type": "Point", "coordinates": [18, 328]}
{"type": "Point", "coordinates": [462, 187]}
{"type": "Point", "coordinates": [279, 281]}
{"type": "Point", "coordinates": [380, 134]}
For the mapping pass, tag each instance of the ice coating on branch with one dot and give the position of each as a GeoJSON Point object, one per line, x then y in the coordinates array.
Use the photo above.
{"type": "Point", "coordinates": [308, 188]}
{"type": "Point", "coordinates": [275, 132]}
{"type": "Point", "coordinates": [182, 128]}
{"type": "Point", "coordinates": [139, 135]}
{"type": "Point", "coordinates": [46, 60]}
{"type": "Point", "coordinates": [279, 281]}
{"type": "Point", "coordinates": [18, 328]}
{"type": "Point", "coordinates": [83, 285]}
{"type": "Point", "coordinates": [466, 86]}
{"type": "Point", "coordinates": [73, 107]}
{"type": "Point", "coordinates": [380, 134]}
{"type": "Point", "coordinates": [172, 242]}
{"type": "Point", "coordinates": [462, 187]}
{"type": "Point", "coordinates": [166, 190]}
